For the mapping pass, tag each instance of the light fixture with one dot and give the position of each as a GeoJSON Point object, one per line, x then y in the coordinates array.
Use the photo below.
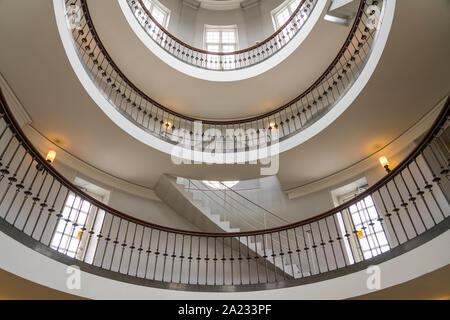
{"type": "Point", "coordinates": [271, 125]}
{"type": "Point", "coordinates": [51, 155]}
{"type": "Point", "coordinates": [385, 163]}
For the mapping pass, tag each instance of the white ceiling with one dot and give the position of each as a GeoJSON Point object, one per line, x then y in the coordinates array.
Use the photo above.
{"type": "Point", "coordinates": [411, 78]}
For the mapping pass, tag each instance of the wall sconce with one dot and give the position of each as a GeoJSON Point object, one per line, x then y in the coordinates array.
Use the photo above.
{"type": "Point", "coordinates": [168, 125]}
{"type": "Point", "coordinates": [51, 155]}
{"type": "Point", "coordinates": [385, 163]}
{"type": "Point", "coordinates": [272, 125]}
{"type": "Point", "coordinates": [50, 158]}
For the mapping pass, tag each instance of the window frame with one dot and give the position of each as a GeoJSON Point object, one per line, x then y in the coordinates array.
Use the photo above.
{"type": "Point", "coordinates": [346, 217]}
{"type": "Point", "coordinates": [93, 221]}
{"type": "Point", "coordinates": [277, 11]}
{"type": "Point", "coordinates": [211, 28]}
{"type": "Point", "coordinates": [156, 4]}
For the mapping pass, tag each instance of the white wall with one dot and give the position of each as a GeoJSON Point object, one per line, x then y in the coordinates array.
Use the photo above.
{"type": "Point", "coordinates": [145, 209]}
{"type": "Point", "coordinates": [265, 192]}
{"type": "Point", "coordinates": [268, 192]}
{"type": "Point", "coordinates": [254, 23]}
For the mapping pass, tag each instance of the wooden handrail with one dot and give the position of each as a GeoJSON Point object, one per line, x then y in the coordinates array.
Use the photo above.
{"type": "Point", "coordinates": [273, 35]}
{"type": "Point", "coordinates": [233, 121]}
{"type": "Point", "coordinates": [6, 112]}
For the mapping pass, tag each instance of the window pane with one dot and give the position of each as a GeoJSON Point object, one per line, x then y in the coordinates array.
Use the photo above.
{"type": "Point", "coordinates": [81, 219]}
{"type": "Point", "coordinates": [220, 39]}
{"type": "Point", "coordinates": [228, 48]}
{"type": "Point", "coordinates": [213, 37]}
{"type": "Point", "coordinates": [213, 48]}
{"type": "Point", "coordinates": [158, 12]}
{"type": "Point", "coordinates": [67, 237]}
{"type": "Point", "coordinates": [159, 15]}
{"type": "Point", "coordinates": [148, 4]}
{"type": "Point", "coordinates": [373, 240]}
{"type": "Point", "coordinates": [282, 17]}
{"type": "Point", "coordinates": [294, 5]}
{"type": "Point", "coordinates": [228, 37]}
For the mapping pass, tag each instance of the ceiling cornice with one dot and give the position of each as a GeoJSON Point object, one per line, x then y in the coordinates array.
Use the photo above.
{"type": "Point", "coordinates": [24, 120]}
{"type": "Point", "coordinates": [21, 115]}
{"type": "Point", "coordinates": [220, 5]}
{"type": "Point", "coordinates": [86, 170]}
{"type": "Point", "coordinates": [194, 4]}
{"type": "Point", "coordinates": [247, 4]}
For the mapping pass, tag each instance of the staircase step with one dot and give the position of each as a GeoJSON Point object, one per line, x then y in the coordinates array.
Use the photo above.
{"type": "Point", "coordinates": [214, 217]}
{"type": "Point", "coordinates": [171, 191]}
{"type": "Point", "coordinates": [339, 4]}
{"type": "Point", "coordinates": [197, 208]}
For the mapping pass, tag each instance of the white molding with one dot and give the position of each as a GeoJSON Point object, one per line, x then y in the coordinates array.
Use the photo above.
{"type": "Point", "coordinates": [24, 120]}
{"type": "Point", "coordinates": [20, 114]}
{"type": "Point", "coordinates": [247, 4]}
{"type": "Point", "coordinates": [390, 150]}
{"type": "Point", "coordinates": [220, 5]}
{"type": "Point", "coordinates": [194, 4]}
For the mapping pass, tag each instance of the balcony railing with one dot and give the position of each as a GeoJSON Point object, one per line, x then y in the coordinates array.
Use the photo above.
{"type": "Point", "coordinates": [47, 210]}
{"type": "Point", "coordinates": [232, 135]}
{"type": "Point", "coordinates": [222, 61]}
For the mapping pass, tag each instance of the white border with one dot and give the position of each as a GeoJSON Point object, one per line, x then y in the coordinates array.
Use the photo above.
{"type": "Point", "coordinates": [223, 76]}
{"type": "Point", "coordinates": [285, 145]}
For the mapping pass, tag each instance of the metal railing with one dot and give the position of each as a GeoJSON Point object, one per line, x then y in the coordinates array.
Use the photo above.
{"type": "Point", "coordinates": [236, 213]}
{"type": "Point", "coordinates": [232, 206]}
{"type": "Point", "coordinates": [222, 61]}
{"type": "Point", "coordinates": [43, 206]}
{"type": "Point", "coordinates": [225, 136]}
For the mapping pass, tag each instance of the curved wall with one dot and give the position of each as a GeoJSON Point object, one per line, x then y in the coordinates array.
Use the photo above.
{"type": "Point", "coordinates": [221, 158]}
{"type": "Point", "coordinates": [196, 38]}
{"type": "Point", "coordinates": [34, 266]}
{"type": "Point", "coordinates": [254, 22]}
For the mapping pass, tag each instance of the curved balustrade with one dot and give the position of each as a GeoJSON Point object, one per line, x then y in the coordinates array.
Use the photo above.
{"type": "Point", "coordinates": [233, 135]}
{"type": "Point", "coordinates": [222, 61]}
{"type": "Point", "coordinates": [41, 204]}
